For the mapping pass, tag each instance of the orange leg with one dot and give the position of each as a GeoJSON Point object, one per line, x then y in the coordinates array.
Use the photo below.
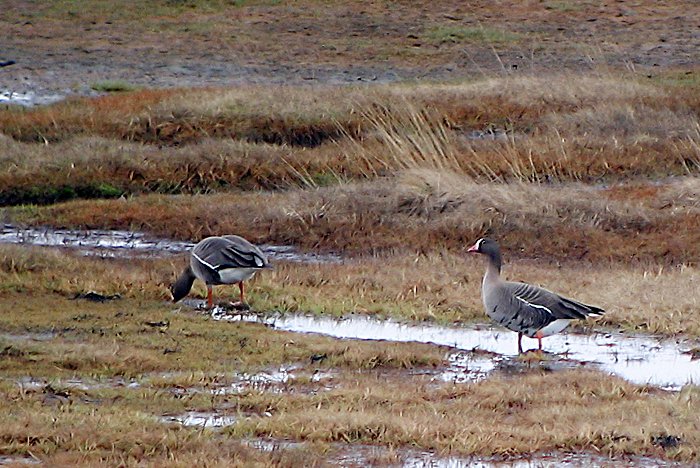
{"type": "Point", "coordinates": [539, 337]}
{"type": "Point", "coordinates": [240, 287]}
{"type": "Point", "coordinates": [210, 300]}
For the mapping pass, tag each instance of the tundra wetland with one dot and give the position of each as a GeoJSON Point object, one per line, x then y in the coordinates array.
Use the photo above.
{"type": "Point", "coordinates": [365, 147]}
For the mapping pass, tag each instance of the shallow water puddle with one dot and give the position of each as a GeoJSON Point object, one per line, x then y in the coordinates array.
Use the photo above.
{"type": "Point", "coordinates": [280, 380]}
{"type": "Point", "coordinates": [28, 99]}
{"type": "Point", "coordinates": [583, 459]}
{"type": "Point", "coordinates": [641, 360]}
{"type": "Point", "coordinates": [361, 455]}
{"type": "Point", "coordinates": [271, 445]}
{"type": "Point", "coordinates": [94, 241]}
{"type": "Point", "coordinates": [106, 243]}
{"type": "Point", "coordinates": [33, 383]}
{"type": "Point", "coordinates": [271, 381]}
{"type": "Point", "coordinates": [23, 337]}
{"type": "Point", "coordinates": [200, 419]}
{"type": "Point", "coordinates": [18, 460]}
{"type": "Point", "coordinates": [468, 367]}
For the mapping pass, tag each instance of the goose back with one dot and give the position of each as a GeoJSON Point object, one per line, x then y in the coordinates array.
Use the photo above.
{"type": "Point", "coordinates": [226, 259]}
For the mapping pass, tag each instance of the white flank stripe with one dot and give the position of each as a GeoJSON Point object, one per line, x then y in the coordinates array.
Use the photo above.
{"type": "Point", "coordinates": [533, 305]}
{"type": "Point", "coordinates": [203, 262]}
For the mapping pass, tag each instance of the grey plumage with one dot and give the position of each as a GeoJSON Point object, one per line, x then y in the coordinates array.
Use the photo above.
{"type": "Point", "coordinates": [526, 309]}
{"type": "Point", "coordinates": [220, 260]}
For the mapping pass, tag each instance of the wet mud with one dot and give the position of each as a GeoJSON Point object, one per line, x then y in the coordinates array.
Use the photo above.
{"type": "Point", "coordinates": [115, 243]}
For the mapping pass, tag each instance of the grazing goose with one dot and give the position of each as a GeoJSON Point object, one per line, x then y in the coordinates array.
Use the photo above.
{"type": "Point", "coordinates": [220, 260]}
{"type": "Point", "coordinates": [529, 310]}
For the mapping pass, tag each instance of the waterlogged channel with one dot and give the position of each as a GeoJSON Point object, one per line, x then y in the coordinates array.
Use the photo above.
{"type": "Point", "coordinates": [639, 359]}
{"type": "Point", "coordinates": [108, 243]}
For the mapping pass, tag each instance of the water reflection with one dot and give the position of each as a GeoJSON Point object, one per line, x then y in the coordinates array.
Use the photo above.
{"type": "Point", "coordinates": [115, 243]}
{"type": "Point", "coordinates": [639, 359]}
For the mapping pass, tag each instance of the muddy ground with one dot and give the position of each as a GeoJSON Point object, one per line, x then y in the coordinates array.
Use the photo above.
{"type": "Point", "coordinates": [67, 48]}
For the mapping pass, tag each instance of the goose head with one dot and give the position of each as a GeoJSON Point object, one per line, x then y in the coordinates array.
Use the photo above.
{"type": "Point", "coordinates": [490, 249]}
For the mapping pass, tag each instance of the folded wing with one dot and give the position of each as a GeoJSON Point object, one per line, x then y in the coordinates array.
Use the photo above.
{"type": "Point", "coordinates": [558, 306]}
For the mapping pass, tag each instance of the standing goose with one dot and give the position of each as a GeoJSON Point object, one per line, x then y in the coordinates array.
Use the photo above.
{"type": "Point", "coordinates": [529, 310]}
{"type": "Point", "coordinates": [220, 260]}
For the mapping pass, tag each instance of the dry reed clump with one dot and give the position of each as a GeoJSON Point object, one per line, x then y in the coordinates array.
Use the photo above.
{"type": "Point", "coordinates": [634, 123]}
{"type": "Point", "coordinates": [549, 220]}
{"type": "Point", "coordinates": [520, 102]}
{"type": "Point", "coordinates": [681, 195]}
{"type": "Point", "coordinates": [598, 140]}
{"type": "Point", "coordinates": [425, 192]}
{"type": "Point", "coordinates": [556, 90]}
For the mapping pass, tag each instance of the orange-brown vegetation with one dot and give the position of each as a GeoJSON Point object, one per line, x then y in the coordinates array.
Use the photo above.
{"type": "Point", "coordinates": [418, 211]}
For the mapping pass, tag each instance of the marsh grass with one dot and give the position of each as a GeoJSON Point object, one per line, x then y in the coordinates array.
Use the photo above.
{"type": "Point", "coordinates": [419, 211]}
{"type": "Point", "coordinates": [600, 140]}
{"type": "Point", "coordinates": [112, 86]}
{"type": "Point", "coordinates": [645, 298]}
{"type": "Point", "coordinates": [279, 115]}
{"type": "Point", "coordinates": [86, 431]}
{"type": "Point", "coordinates": [94, 167]}
{"type": "Point", "coordinates": [470, 34]}
{"type": "Point", "coordinates": [591, 129]}
{"type": "Point", "coordinates": [179, 357]}
{"type": "Point", "coordinates": [535, 413]}
{"type": "Point", "coordinates": [108, 423]}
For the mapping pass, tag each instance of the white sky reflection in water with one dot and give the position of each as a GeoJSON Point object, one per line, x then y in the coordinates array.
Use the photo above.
{"type": "Point", "coordinates": [642, 360]}
{"type": "Point", "coordinates": [201, 419]}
